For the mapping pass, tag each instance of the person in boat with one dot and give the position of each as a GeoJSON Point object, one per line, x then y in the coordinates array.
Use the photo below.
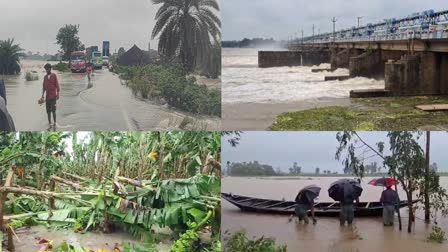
{"type": "Point", "coordinates": [390, 200]}
{"type": "Point", "coordinates": [301, 210]}
{"type": "Point", "coordinates": [50, 87]}
{"type": "Point", "coordinates": [347, 213]}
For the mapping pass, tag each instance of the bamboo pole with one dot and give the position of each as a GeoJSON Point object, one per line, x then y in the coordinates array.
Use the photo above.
{"type": "Point", "coordinates": [8, 182]}
{"type": "Point", "coordinates": [11, 246]}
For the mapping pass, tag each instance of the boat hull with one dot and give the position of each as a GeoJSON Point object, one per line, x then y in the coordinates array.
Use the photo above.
{"type": "Point", "coordinates": [325, 209]}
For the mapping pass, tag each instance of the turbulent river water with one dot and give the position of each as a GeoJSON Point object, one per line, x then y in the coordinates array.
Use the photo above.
{"type": "Point", "coordinates": [253, 96]}
{"type": "Point", "coordinates": [367, 234]}
{"type": "Point", "coordinates": [104, 104]}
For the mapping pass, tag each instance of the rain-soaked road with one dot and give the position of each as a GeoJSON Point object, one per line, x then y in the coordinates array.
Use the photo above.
{"type": "Point", "coordinates": [105, 104]}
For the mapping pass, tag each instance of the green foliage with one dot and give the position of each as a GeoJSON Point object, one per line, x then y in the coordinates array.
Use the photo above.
{"type": "Point", "coordinates": [437, 235]}
{"type": "Point", "coordinates": [10, 54]}
{"type": "Point", "coordinates": [184, 29]}
{"type": "Point", "coordinates": [250, 169]}
{"type": "Point", "coordinates": [406, 163]}
{"type": "Point", "coordinates": [239, 242]}
{"type": "Point", "coordinates": [61, 67]}
{"type": "Point", "coordinates": [366, 114]}
{"type": "Point", "coordinates": [212, 67]}
{"type": "Point", "coordinates": [170, 83]}
{"type": "Point", "coordinates": [31, 76]}
{"type": "Point", "coordinates": [68, 39]}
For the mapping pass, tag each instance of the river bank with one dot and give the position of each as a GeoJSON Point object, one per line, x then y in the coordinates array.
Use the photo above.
{"type": "Point", "coordinates": [390, 113]}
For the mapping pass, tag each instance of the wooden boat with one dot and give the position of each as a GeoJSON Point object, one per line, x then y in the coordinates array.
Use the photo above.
{"type": "Point", "coordinates": [330, 209]}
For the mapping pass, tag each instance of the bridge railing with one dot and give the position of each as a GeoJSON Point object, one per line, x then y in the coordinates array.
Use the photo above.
{"type": "Point", "coordinates": [427, 35]}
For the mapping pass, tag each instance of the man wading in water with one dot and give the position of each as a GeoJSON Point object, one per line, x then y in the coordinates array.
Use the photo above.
{"type": "Point", "coordinates": [51, 87]}
{"type": "Point", "coordinates": [390, 200]}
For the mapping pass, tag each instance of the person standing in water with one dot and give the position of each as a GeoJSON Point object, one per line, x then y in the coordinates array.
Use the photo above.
{"type": "Point", "coordinates": [390, 200]}
{"type": "Point", "coordinates": [347, 213]}
{"type": "Point", "coordinates": [301, 211]}
{"type": "Point", "coordinates": [89, 70]}
{"type": "Point", "coordinates": [50, 87]}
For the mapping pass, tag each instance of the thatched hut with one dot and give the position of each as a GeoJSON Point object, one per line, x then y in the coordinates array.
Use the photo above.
{"type": "Point", "coordinates": [134, 56]}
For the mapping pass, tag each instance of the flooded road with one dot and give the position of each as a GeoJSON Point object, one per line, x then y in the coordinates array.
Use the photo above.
{"type": "Point", "coordinates": [105, 104]}
{"type": "Point", "coordinates": [367, 234]}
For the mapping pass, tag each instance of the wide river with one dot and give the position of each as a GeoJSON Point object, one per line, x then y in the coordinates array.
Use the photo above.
{"type": "Point", "coordinates": [367, 234]}
{"type": "Point", "coordinates": [253, 96]}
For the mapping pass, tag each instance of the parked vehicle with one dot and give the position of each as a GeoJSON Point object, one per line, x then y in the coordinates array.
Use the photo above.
{"type": "Point", "coordinates": [78, 62]}
{"type": "Point", "coordinates": [106, 61]}
{"type": "Point", "coordinates": [97, 60]}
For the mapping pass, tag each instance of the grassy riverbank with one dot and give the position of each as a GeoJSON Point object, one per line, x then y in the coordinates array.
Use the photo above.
{"type": "Point", "coordinates": [169, 83]}
{"type": "Point", "coordinates": [391, 113]}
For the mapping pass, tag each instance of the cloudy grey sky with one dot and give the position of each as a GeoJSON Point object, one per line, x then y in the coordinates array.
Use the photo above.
{"type": "Point", "coordinates": [35, 23]}
{"type": "Point", "coordinates": [313, 149]}
{"type": "Point", "coordinates": [283, 18]}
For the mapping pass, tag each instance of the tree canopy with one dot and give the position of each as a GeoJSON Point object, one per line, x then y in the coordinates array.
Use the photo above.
{"type": "Point", "coordinates": [69, 41]}
{"type": "Point", "coordinates": [10, 54]}
{"type": "Point", "coordinates": [187, 30]}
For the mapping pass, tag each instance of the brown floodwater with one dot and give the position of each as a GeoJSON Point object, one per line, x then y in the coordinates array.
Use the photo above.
{"type": "Point", "coordinates": [104, 104]}
{"type": "Point", "coordinates": [28, 239]}
{"type": "Point", "coordinates": [367, 234]}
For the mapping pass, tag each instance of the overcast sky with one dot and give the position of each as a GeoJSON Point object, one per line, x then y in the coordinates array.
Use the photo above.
{"type": "Point", "coordinates": [283, 18]}
{"type": "Point", "coordinates": [313, 149]}
{"type": "Point", "coordinates": [35, 23]}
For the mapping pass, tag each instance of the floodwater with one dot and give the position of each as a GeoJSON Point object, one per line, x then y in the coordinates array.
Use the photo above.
{"type": "Point", "coordinates": [253, 96]}
{"type": "Point", "coordinates": [367, 234]}
{"type": "Point", "coordinates": [104, 104]}
{"type": "Point", "coordinates": [93, 240]}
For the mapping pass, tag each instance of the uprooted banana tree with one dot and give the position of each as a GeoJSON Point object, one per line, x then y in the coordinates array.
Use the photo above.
{"type": "Point", "coordinates": [138, 182]}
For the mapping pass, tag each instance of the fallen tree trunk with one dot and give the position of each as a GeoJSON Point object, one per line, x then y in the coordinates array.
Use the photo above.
{"type": "Point", "coordinates": [73, 176]}
{"type": "Point", "coordinates": [129, 181]}
{"type": "Point", "coordinates": [66, 182]}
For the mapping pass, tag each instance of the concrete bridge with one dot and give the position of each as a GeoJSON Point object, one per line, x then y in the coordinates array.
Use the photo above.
{"type": "Point", "coordinates": [412, 59]}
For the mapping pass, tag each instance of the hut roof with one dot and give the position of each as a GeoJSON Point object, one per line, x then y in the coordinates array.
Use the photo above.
{"type": "Point", "coordinates": [134, 56]}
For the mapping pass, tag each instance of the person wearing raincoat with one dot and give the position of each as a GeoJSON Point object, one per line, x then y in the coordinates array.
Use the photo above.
{"type": "Point", "coordinates": [390, 200]}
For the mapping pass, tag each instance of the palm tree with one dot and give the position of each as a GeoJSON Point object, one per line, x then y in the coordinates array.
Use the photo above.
{"type": "Point", "coordinates": [10, 54]}
{"type": "Point", "coordinates": [186, 28]}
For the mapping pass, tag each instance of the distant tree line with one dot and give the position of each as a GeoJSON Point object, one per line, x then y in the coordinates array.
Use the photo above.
{"type": "Point", "coordinates": [37, 56]}
{"type": "Point", "coordinates": [250, 169]}
{"type": "Point", "coordinates": [251, 43]}
{"type": "Point", "coordinates": [254, 168]}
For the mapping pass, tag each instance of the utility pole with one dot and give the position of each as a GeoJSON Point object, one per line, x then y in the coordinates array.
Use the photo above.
{"type": "Point", "coordinates": [359, 21]}
{"type": "Point", "coordinates": [313, 33]}
{"type": "Point", "coordinates": [302, 37]}
{"type": "Point", "coordinates": [334, 28]}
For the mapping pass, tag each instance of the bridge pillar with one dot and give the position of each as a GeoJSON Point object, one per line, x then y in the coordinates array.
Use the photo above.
{"type": "Point", "coordinates": [341, 59]}
{"type": "Point", "coordinates": [369, 64]}
{"type": "Point", "coordinates": [444, 73]}
{"type": "Point", "coordinates": [315, 57]}
{"type": "Point", "coordinates": [279, 58]}
{"type": "Point", "coordinates": [421, 74]}
{"type": "Point", "coordinates": [402, 76]}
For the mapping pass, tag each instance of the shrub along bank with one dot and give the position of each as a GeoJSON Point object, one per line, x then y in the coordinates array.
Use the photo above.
{"type": "Point", "coordinates": [170, 83]}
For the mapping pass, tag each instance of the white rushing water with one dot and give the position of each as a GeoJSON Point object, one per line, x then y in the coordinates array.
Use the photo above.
{"type": "Point", "coordinates": [244, 82]}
